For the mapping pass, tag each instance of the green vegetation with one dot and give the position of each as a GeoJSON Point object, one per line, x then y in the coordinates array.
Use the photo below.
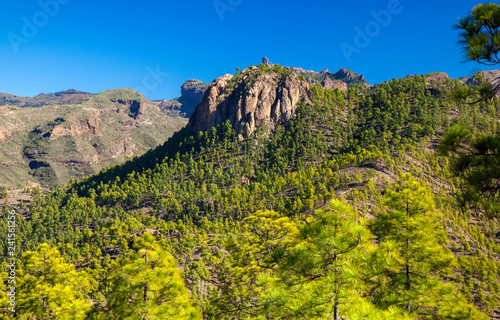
{"type": "Point", "coordinates": [146, 285]}
{"type": "Point", "coordinates": [3, 192]}
{"type": "Point", "coordinates": [53, 144]}
{"type": "Point", "coordinates": [252, 225]}
{"type": "Point", "coordinates": [345, 212]}
{"type": "Point", "coordinates": [477, 160]}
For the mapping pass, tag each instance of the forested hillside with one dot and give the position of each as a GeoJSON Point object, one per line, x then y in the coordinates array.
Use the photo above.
{"type": "Point", "coordinates": [346, 210]}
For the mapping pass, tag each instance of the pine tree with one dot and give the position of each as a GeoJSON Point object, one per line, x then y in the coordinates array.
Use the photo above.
{"type": "Point", "coordinates": [319, 275]}
{"type": "Point", "coordinates": [412, 257]}
{"type": "Point", "coordinates": [478, 166]}
{"type": "Point", "coordinates": [50, 288]}
{"type": "Point", "coordinates": [147, 285]}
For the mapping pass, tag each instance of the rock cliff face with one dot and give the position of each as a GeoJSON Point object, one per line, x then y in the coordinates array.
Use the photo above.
{"type": "Point", "coordinates": [83, 127]}
{"type": "Point", "coordinates": [334, 84]}
{"type": "Point", "coordinates": [191, 94]}
{"type": "Point", "coordinates": [348, 74]}
{"type": "Point", "coordinates": [249, 101]}
{"type": "Point", "coordinates": [193, 89]}
{"type": "Point", "coordinates": [136, 107]}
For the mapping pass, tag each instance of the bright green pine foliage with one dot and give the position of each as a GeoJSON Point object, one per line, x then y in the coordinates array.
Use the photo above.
{"type": "Point", "coordinates": [320, 272]}
{"type": "Point", "coordinates": [50, 288]}
{"type": "Point", "coordinates": [146, 285]}
{"type": "Point", "coordinates": [281, 268]}
{"type": "Point", "coordinates": [477, 163]}
{"type": "Point", "coordinates": [242, 275]}
{"type": "Point", "coordinates": [481, 33]}
{"type": "Point", "coordinates": [412, 247]}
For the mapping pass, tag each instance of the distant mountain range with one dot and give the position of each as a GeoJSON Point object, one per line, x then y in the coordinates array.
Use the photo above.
{"type": "Point", "coordinates": [191, 94]}
{"type": "Point", "coordinates": [68, 96]}
{"type": "Point", "coordinates": [71, 138]}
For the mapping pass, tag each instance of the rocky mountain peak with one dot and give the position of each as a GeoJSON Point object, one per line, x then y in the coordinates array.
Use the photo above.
{"type": "Point", "coordinates": [348, 74]}
{"type": "Point", "coordinates": [193, 89]}
{"type": "Point", "coordinates": [249, 101]}
{"type": "Point", "coordinates": [191, 94]}
{"type": "Point", "coordinates": [437, 76]}
{"type": "Point", "coordinates": [342, 79]}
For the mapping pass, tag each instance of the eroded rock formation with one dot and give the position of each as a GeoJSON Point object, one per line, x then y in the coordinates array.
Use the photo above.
{"type": "Point", "coordinates": [255, 101]}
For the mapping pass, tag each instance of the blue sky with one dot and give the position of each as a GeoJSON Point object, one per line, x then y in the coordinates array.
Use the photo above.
{"type": "Point", "coordinates": [154, 46]}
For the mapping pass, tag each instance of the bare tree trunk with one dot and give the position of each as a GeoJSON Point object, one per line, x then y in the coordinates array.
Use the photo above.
{"type": "Point", "coordinates": [336, 302]}
{"type": "Point", "coordinates": [408, 284]}
{"type": "Point", "coordinates": [146, 284]}
{"type": "Point", "coordinates": [44, 278]}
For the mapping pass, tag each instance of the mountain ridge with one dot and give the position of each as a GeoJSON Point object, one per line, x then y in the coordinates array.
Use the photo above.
{"type": "Point", "coordinates": [55, 143]}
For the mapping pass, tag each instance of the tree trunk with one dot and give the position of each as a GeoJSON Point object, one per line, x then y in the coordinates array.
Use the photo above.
{"type": "Point", "coordinates": [336, 301]}
{"type": "Point", "coordinates": [146, 283]}
{"type": "Point", "coordinates": [44, 277]}
{"type": "Point", "coordinates": [407, 265]}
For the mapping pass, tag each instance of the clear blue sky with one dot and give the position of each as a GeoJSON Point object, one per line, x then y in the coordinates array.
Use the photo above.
{"type": "Point", "coordinates": [98, 45]}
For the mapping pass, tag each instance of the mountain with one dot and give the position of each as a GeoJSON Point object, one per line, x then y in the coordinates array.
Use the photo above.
{"type": "Point", "coordinates": [342, 79]}
{"type": "Point", "coordinates": [279, 199]}
{"type": "Point", "coordinates": [52, 144]}
{"type": "Point", "coordinates": [64, 97]}
{"type": "Point", "coordinates": [488, 75]}
{"type": "Point", "coordinates": [191, 94]}
{"type": "Point", "coordinates": [249, 101]}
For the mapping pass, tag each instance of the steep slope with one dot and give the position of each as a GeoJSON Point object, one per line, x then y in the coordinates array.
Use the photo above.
{"type": "Point", "coordinates": [55, 143]}
{"type": "Point", "coordinates": [191, 94]}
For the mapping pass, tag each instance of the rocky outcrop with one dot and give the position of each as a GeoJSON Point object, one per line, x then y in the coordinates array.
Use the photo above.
{"type": "Point", "coordinates": [490, 75]}
{"type": "Point", "coordinates": [348, 75]}
{"type": "Point", "coordinates": [191, 94]}
{"type": "Point", "coordinates": [83, 127]}
{"type": "Point", "coordinates": [311, 81]}
{"type": "Point", "coordinates": [255, 101]}
{"type": "Point", "coordinates": [193, 89]}
{"type": "Point", "coordinates": [135, 108]}
{"type": "Point", "coordinates": [334, 84]}
{"type": "Point", "coordinates": [332, 80]}
{"type": "Point", "coordinates": [440, 77]}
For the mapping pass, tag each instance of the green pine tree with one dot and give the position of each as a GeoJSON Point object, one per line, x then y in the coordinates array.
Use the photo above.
{"type": "Point", "coordinates": [147, 285]}
{"type": "Point", "coordinates": [50, 288]}
{"type": "Point", "coordinates": [412, 258]}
